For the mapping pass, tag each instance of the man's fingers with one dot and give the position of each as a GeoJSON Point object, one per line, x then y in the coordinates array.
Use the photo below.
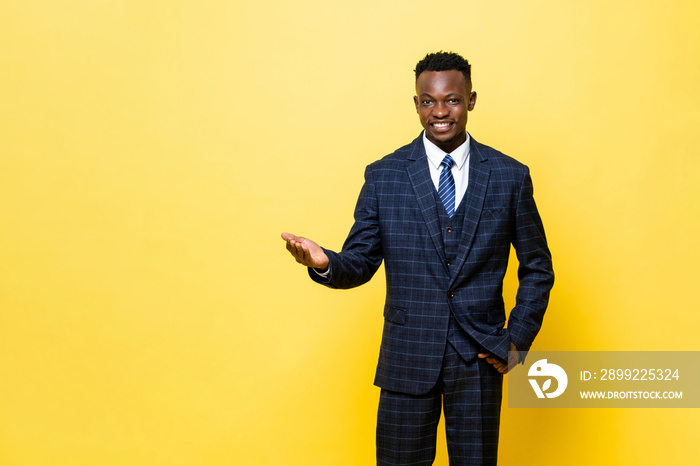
{"type": "Point", "coordinates": [496, 363]}
{"type": "Point", "coordinates": [304, 251]}
{"type": "Point", "coordinates": [291, 247]}
{"type": "Point", "coordinates": [297, 247]}
{"type": "Point", "coordinates": [290, 238]}
{"type": "Point", "coordinates": [295, 251]}
{"type": "Point", "coordinates": [500, 367]}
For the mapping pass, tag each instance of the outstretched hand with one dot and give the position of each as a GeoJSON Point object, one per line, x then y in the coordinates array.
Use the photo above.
{"type": "Point", "coordinates": [513, 357]}
{"type": "Point", "coordinates": [305, 251]}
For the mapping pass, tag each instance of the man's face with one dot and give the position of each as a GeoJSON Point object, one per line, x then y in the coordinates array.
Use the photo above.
{"type": "Point", "coordinates": [443, 99]}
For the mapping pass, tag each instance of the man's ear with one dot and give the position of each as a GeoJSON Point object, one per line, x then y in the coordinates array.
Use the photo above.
{"type": "Point", "coordinates": [416, 102]}
{"type": "Point", "coordinates": [472, 101]}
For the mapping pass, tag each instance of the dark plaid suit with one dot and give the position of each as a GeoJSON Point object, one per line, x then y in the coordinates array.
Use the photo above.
{"type": "Point", "coordinates": [397, 220]}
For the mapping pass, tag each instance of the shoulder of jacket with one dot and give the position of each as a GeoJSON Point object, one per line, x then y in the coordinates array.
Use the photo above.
{"type": "Point", "coordinates": [397, 158]}
{"type": "Point", "coordinates": [497, 159]}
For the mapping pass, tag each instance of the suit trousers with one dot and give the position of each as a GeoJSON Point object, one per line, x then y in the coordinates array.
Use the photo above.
{"type": "Point", "coordinates": [470, 392]}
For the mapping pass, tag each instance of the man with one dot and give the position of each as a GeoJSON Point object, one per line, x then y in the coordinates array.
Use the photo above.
{"type": "Point", "coordinates": [442, 212]}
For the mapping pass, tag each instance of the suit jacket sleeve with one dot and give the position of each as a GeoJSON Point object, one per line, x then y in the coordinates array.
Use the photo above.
{"type": "Point", "coordinates": [361, 255]}
{"type": "Point", "coordinates": [535, 271]}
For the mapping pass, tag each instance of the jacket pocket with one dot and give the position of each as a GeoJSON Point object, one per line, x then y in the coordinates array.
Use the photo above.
{"type": "Point", "coordinates": [495, 213]}
{"type": "Point", "coordinates": [395, 315]}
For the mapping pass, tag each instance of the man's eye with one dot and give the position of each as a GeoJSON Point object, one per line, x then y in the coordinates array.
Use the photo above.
{"type": "Point", "coordinates": [453, 101]}
{"type": "Point", "coordinates": [426, 102]}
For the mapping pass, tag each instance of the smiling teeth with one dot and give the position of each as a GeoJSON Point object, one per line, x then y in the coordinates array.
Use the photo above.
{"type": "Point", "coordinates": [441, 125]}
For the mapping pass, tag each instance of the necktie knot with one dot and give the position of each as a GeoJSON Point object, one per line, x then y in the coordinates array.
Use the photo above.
{"type": "Point", "coordinates": [447, 162]}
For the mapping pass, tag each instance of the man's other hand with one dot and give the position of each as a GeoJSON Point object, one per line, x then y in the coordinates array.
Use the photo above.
{"type": "Point", "coordinates": [306, 252]}
{"type": "Point", "coordinates": [495, 362]}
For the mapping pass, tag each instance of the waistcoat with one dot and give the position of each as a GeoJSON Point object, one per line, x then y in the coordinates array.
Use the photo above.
{"type": "Point", "coordinates": [451, 229]}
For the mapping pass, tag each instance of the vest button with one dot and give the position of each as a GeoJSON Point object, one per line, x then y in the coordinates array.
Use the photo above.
{"type": "Point", "coordinates": [449, 229]}
{"type": "Point", "coordinates": [450, 294]}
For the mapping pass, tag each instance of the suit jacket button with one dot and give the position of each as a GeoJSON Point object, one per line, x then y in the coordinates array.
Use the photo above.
{"type": "Point", "coordinates": [449, 262]}
{"type": "Point", "coordinates": [450, 294]}
{"type": "Point", "coordinates": [449, 229]}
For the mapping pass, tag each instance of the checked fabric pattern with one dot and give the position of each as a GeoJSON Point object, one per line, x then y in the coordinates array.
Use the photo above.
{"type": "Point", "coordinates": [397, 221]}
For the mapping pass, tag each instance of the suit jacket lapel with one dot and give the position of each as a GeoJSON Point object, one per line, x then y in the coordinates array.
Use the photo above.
{"type": "Point", "coordinates": [423, 186]}
{"type": "Point", "coordinates": [474, 202]}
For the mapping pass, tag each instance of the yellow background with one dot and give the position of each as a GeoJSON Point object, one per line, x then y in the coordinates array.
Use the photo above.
{"type": "Point", "coordinates": [152, 151]}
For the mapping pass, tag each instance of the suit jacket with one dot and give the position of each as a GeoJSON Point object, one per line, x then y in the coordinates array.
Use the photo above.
{"type": "Point", "coordinates": [396, 220]}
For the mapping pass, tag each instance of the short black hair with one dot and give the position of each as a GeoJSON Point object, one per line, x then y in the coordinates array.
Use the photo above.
{"type": "Point", "coordinates": [444, 61]}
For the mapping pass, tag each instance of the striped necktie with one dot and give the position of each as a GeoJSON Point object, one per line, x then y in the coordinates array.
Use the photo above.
{"type": "Point", "coordinates": [446, 187]}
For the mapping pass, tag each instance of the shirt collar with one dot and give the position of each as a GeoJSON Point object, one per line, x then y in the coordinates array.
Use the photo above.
{"type": "Point", "coordinates": [435, 154]}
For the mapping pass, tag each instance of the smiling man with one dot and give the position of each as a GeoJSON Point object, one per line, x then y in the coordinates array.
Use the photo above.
{"type": "Point", "coordinates": [443, 102]}
{"type": "Point", "coordinates": [442, 213]}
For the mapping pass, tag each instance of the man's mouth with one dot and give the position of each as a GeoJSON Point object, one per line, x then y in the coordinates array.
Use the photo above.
{"type": "Point", "coordinates": [441, 125]}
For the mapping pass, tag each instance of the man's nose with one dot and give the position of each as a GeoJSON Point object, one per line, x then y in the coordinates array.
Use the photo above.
{"type": "Point", "coordinates": [440, 110]}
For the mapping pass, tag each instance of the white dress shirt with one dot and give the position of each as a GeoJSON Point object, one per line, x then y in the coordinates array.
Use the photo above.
{"type": "Point", "coordinates": [460, 169]}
